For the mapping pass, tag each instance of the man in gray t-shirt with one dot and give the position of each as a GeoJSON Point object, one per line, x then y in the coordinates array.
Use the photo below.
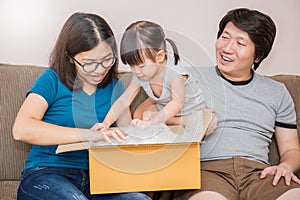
{"type": "Point", "coordinates": [247, 112]}
{"type": "Point", "coordinates": [251, 110]}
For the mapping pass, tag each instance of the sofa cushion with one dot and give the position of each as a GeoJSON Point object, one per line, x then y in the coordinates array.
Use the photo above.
{"type": "Point", "coordinates": [15, 81]}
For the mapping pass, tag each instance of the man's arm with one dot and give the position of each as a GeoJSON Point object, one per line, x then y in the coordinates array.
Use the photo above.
{"type": "Point", "coordinates": [289, 151]}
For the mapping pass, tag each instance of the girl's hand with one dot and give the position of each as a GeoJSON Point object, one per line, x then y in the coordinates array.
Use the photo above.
{"type": "Point", "coordinates": [279, 171]}
{"type": "Point", "coordinates": [140, 123]}
{"type": "Point", "coordinates": [148, 115]}
{"type": "Point", "coordinates": [213, 124]}
{"type": "Point", "coordinates": [100, 126]}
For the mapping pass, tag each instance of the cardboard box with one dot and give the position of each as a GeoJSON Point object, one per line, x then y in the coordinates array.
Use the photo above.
{"type": "Point", "coordinates": [146, 167]}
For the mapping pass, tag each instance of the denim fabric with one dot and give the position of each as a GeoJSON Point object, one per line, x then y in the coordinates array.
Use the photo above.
{"type": "Point", "coordinates": [51, 183]}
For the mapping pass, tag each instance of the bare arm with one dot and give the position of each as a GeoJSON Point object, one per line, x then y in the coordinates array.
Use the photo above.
{"type": "Point", "coordinates": [289, 150]}
{"type": "Point", "coordinates": [125, 118]}
{"type": "Point", "coordinates": [145, 106]}
{"type": "Point", "coordinates": [30, 128]}
{"type": "Point", "coordinates": [288, 146]}
{"type": "Point", "coordinates": [121, 104]}
{"type": "Point", "coordinates": [177, 102]}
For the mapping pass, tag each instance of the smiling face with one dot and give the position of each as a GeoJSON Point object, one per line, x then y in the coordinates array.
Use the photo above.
{"type": "Point", "coordinates": [98, 54]}
{"type": "Point", "coordinates": [235, 53]}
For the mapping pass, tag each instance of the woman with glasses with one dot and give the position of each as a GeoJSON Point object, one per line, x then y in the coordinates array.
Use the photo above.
{"type": "Point", "coordinates": [62, 106]}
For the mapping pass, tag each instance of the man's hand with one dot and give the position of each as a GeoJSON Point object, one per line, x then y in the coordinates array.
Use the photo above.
{"type": "Point", "coordinates": [279, 171]}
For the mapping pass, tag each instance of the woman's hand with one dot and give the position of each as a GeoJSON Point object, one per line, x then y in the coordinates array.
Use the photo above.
{"type": "Point", "coordinates": [114, 133]}
{"type": "Point", "coordinates": [100, 132]}
{"type": "Point", "coordinates": [279, 171]}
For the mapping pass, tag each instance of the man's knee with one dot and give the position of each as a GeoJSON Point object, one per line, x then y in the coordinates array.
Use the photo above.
{"type": "Point", "coordinates": [207, 195]}
{"type": "Point", "coordinates": [291, 194]}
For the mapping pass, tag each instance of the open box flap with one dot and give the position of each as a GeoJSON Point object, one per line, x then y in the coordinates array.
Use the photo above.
{"type": "Point", "coordinates": [194, 131]}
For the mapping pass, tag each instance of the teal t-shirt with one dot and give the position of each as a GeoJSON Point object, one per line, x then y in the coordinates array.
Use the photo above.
{"type": "Point", "coordinates": [69, 109]}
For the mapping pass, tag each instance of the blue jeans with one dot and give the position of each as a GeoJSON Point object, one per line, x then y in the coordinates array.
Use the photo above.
{"type": "Point", "coordinates": [53, 183]}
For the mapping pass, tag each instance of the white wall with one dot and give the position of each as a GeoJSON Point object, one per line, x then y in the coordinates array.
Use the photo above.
{"type": "Point", "coordinates": [28, 29]}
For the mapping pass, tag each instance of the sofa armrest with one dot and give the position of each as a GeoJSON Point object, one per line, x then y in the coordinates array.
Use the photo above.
{"type": "Point", "coordinates": [15, 81]}
{"type": "Point", "coordinates": [292, 82]}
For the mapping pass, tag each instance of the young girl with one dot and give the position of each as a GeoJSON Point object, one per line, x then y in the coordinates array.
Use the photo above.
{"type": "Point", "coordinates": [143, 48]}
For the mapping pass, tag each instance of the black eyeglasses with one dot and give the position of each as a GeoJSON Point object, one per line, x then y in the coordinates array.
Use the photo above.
{"type": "Point", "coordinates": [92, 66]}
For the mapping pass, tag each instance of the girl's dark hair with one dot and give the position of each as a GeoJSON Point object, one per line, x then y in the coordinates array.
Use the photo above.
{"type": "Point", "coordinates": [260, 28]}
{"type": "Point", "coordinates": [144, 38]}
{"type": "Point", "coordinates": [81, 32]}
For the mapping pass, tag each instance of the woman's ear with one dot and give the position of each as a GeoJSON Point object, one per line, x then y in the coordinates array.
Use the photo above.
{"type": "Point", "coordinates": [160, 56]}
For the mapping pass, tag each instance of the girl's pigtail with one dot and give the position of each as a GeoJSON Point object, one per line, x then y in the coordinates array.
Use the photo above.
{"type": "Point", "coordinates": [175, 50]}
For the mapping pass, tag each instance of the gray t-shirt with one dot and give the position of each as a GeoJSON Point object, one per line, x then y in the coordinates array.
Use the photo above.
{"type": "Point", "coordinates": [247, 112]}
{"type": "Point", "coordinates": [193, 97]}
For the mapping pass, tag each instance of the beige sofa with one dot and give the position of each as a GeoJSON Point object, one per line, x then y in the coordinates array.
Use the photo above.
{"type": "Point", "coordinates": [16, 80]}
